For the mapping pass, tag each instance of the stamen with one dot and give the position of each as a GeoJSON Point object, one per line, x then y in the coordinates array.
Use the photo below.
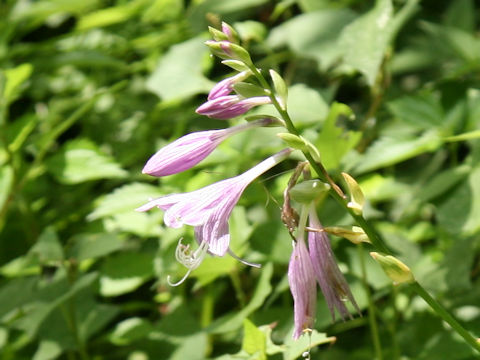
{"type": "Point", "coordinates": [190, 260]}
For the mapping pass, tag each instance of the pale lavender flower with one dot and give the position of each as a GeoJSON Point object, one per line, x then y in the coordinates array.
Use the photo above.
{"type": "Point", "coordinates": [230, 106]}
{"type": "Point", "coordinates": [301, 278]}
{"type": "Point", "coordinates": [331, 280]}
{"type": "Point", "coordinates": [189, 150]}
{"type": "Point", "coordinates": [208, 210]}
{"type": "Point", "coordinates": [225, 86]}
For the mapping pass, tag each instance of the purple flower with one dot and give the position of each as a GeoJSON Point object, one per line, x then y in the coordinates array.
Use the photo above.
{"type": "Point", "coordinates": [208, 210]}
{"type": "Point", "coordinates": [190, 149]}
{"type": "Point", "coordinates": [225, 86]}
{"type": "Point", "coordinates": [229, 106]}
{"type": "Point", "coordinates": [331, 280]}
{"type": "Point", "coordinates": [301, 278]}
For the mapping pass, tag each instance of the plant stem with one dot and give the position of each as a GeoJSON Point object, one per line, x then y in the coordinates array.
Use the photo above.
{"type": "Point", "coordinates": [375, 239]}
{"type": "Point", "coordinates": [440, 310]}
{"type": "Point", "coordinates": [371, 307]}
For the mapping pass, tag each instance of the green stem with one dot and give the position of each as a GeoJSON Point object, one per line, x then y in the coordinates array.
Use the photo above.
{"type": "Point", "coordinates": [440, 310]}
{"type": "Point", "coordinates": [372, 234]}
{"type": "Point", "coordinates": [371, 307]}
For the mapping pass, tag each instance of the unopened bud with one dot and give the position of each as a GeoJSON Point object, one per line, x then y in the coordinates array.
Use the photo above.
{"type": "Point", "coordinates": [229, 51]}
{"type": "Point", "coordinates": [230, 33]}
{"type": "Point", "coordinates": [357, 200]}
{"type": "Point", "coordinates": [308, 191]}
{"type": "Point", "coordinates": [355, 234]}
{"type": "Point", "coordinates": [217, 35]}
{"type": "Point", "coordinates": [394, 268]}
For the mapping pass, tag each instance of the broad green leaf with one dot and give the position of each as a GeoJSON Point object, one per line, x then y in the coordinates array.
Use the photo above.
{"type": "Point", "coordinates": [443, 182]}
{"type": "Point", "coordinates": [198, 12]}
{"type": "Point", "coordinates": [48, 247]}
{"type": "Point", "coordinates": [422, 110]}
{"type": "Point", "coordinates": [334, 142]}
{"type": "Point", "coordinates": [457, 42]}
{"type": "Point", "coordinates": [313, 35]}
{"type": "Point", "coordinates": [42, 308]}
{"type": "Point", "coordinates": [381, 188]}
{"type": "Point", "coordinates": [459, 212]}
{"type": "Point", "coordinates": [14, 79]}
{"type": "Point", "coordinates": [109, 16]}
{"type": "Point", "coordinates": [193, 347]}
{"type": "Point", "coordinates": [47, 350]}
{"type": "Point", "coordinates": [92, 246]}
{"type": "Point", "coordinates": [81, 160]}
{"type": "Point", "coordinates": [389, 151]}
{"type": "Point", "coordinates": [125, 272]}
{"type": "Point", "coordinates": [124, 199]}
{"type": "Point", "coordinates": [461, 14]}
{"type": "Point", "coordinates": [254, 341]}
{"type": "Point", "coordinates": [179, 73]}
{"type": "Point", "coordinates": [129, 330]}
{"type": "Point", "coordinates": [295, 348]}
{"type": "Point", "coordinates": [234, 321]}
{"type": "Point", "coordinates": [305, 105]}
{"type": "Point", "coordinates": [365, 40]}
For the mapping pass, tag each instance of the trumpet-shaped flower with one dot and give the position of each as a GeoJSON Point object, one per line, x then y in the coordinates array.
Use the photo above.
{"type": "Point", "coordinates": [301, 278]}
{"type": "Point", "coordinates": [230, 106]}
{"type": "Point", "coordinates": [331, 280]}
{"type": "Point", "coordinates": [190, 149]}
{"type": "Point", "coordinates": [208, 210]}
{"type": "Point", "coordinates": [225, 86]}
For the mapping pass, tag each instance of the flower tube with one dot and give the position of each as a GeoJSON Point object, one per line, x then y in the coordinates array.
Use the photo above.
{"type": "Point", "coordinates": [230, 106]}
{"type": "Point", "coordinates": [189, 150]}
{"type": "Point", "coordinates": [331, 280]}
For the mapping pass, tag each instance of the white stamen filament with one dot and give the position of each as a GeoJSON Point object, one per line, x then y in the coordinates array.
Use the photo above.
{"type": "Point", "coordinates": [191, 260]}
{"type": "Point", "coordinates": [232, 254]}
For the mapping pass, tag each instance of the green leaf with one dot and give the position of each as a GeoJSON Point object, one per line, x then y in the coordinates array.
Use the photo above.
{"type": "Point", "coordinates": [365, 40]}
{"type": "Point", "coordinates": [18, 132]}
{"type": "Point", "coordinates": [179, 73]}
{"type": "Point", "coordinates": [92, 246]}
{"type": "Point", "coordinates": [306, 105]}
{"type": "Point", "coordinates": [81, 160]}
{"type": "Point", "coordinates": [109, 16]}
{"type": "Point", "coordinates": [334, 142]}
{"type": "Point", "coordinates": [459, 212]}
{"type": "Point", "coordinates": [129, 330]}
{"type": "Point", "coordinates": [47, 350]}
{"type": "Point", "coordinates": [14, 79]}
{"type": "Point", "coordinates": [124, 199]}
{"type": "Point", "coordinates": [254, 340]}
{"type": "Point", "coordinates": [48, 248]}
{"type": "Point", "coordinates": [443, 182]}
{"type": "Point", "coordinates": [388, 151]}
{"type": "Point", "coordinates": [295, 348]}
{"type": "Point", "coordinates": [234, 321]}
{"type": "Point", "coordinates": [125, 272]}
{"type": "Point", "coordinates": [248, 90]}
{"type": "Point", "coordinates": [423, 111]}
{"type": "Point", "coordinates": [313, 35]}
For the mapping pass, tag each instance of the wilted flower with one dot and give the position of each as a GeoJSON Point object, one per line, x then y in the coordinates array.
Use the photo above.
{"type": "Point", "coordinates": [225, 86]}
{"type": "Point", "coordinates": [331, 280]}
{"type": "Point", "coordinates": [301, 278]}
{"type": "Point", "coordinates": [189, 150]}
{"type": "Point", "coordinates": [208, 210]}
{"type": "Point", "coordinates": [230, 106]}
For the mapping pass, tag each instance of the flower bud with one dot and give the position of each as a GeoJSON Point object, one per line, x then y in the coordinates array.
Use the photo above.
{"type": "Point", "coordinates": [229, 51]}
{"type": "Point", "coordinates": [394, 268]}
{"type": "Point", "coordinates": [357, 199]}
{"type": "Point", "coordinates": [230, 33]}
{"type": "Point", "coordinates": [308, 191]}
{"type": "Point", "coordinates": [355, 234]}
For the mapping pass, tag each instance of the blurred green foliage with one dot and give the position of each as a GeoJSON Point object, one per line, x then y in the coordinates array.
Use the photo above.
{"type": "Point", "coordinates": [90, 89]}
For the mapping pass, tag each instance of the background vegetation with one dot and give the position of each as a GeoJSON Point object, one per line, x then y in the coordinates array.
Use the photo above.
{"type": "Point", "coordinates": [90, 89]}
